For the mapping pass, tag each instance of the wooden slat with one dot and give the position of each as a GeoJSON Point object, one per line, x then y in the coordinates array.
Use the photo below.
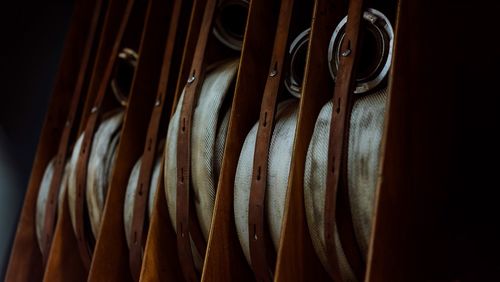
{"type": "Point", "coordinates": [110, 260]}
{"type": "Point", "coordinates": [160, 260]}
{"type": "Point", "coordinates": [415, 182]}
{"type": "Point", "coordinates": [224, 259]}
{"type": "Point", "coordinates": [157, 130]}
{"type": "Point", "coordinates": [63, 261]}
{"type": "Point", "coordinates": [26, 261]}
{"type": "Point", "coordinates": [297, 260]}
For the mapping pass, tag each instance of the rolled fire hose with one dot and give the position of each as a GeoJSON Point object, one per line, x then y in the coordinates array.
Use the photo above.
{"type": "Point", "coordinates": [365, 133]}
{"type": "Point", "coordinates": [128, 209]}
{"type": "Point", "coordinates": [43, 193]}
{"type": "Point", "coordinates": [101, 162]}
{"type": "Point", "coordinates": [280, 156]}
{"type": "Point", "coordinates": [209, 127]}
{"type": "Point", "coordinates": [104, 146]}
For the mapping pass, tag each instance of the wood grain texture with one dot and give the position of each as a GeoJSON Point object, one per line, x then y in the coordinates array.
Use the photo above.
{"type": "Point", "coordinates": [224, 259]}
{"type": "Point", "coordinates": [177, 30]}
{"type": "Point", "coordinates": [25, 262]}
{"type": "Point", "coordinates": [59, 266]}
{"type": "Point", "coordinates": [110, 261]}
{"type": "Point", "coordinates": [189, 49]}
{"type": "Point", "coordinates": [160, 262]}
{"type": "Point", "coordinates": [297, 260]}
{"type": "Point", "coordinates": [64, 263]}
{"type": "Point", "coordinates": [70, 130]}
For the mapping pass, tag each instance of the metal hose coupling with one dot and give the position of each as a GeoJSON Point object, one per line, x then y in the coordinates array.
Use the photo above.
{"type": "Point", "coordinates": [230, 22]}
{"type": "Point", "coordinates": [375, 54]}
{"type": "Point", "coordinates": [297, 55]}
{"type": "Point", "coordinates": [123, 74]}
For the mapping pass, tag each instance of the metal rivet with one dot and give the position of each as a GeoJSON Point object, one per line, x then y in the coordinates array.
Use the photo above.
{"type": "Point", "coordinates": [68, 123]}
{"type": "Point", "coordinates": [346, 53]}
{"type": "Point", "coordinates": [94, 109]}
{"type": "Point", "coordinates": [191, 79]}
{"type": "Point", "coordinates": [157, 103]}
{"type": "Point", "coordinates": [370, 17]}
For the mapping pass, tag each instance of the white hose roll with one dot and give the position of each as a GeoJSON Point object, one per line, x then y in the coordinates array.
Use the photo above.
{"type": "Point", "coordinates": [209, 127]}
{"type": "Point", "coordinates": [130, 195]}
{"type": "Point", "coordinates": [280, 156]}
{"type": "Point", "coordinates": [43, 193]}
{"type": "Point", "coordinates": [72, 180]}
{"type": "Point", "coordinates": [100, 166]}
{"type": "Point", "coordinates": [366, 126]}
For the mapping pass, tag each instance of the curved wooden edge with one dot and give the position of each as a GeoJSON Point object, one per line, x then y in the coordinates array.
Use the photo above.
{"type": "Point", "coordinates": [160, 262]}
{"type": "Point", "coordinates": [62, 258]}
{"type": "Point", "coordinates": [392, 204]}
{"type": "Point", "coordinates": [297, 260]}
{"type": "Point", "coordinates": [110, 259]}
{"type": "Point", "coordinates": [157, 130]}
{"type": "Point", "coordinates": [64, 264]}
{"type": "Point", "coordinates": [109, 34]}
{"type": "Point", "coordinates": [224, 259]}
{"type": "Point", "coordinates": [190, 46]}
{"type": "Point", "coordinates": [25, 263]}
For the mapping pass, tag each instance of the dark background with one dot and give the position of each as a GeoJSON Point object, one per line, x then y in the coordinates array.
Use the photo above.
{"type": "Point", "coordinates": [32, 37]}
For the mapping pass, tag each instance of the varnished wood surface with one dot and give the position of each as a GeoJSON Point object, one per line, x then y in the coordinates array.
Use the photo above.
{"type": "Point", "coordinates": [110, 260]}
{"type": "Point", "coordinates": [297, 260]}
{"type": "Point", "coordinates": [25, 262]}
{"type": "Point", "coordinates": [435, 208]}
{"type": "Point", "coordinates": [63, 260]}
{"type": "Point", "coordinates": [64, 263]}
{"type": "Point", "coordinates": [224, 259]}
{"type": "Point", "coordinates": [413, 238]}
{"type": "Point", "coordinates": [160, 262]}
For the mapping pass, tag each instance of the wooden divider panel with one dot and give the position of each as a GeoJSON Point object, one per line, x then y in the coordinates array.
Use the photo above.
{"type": "Point", "coordinates": [26, 260]}
{"type": "Point", "coordinates": [175, 43]}
{"type": "Point", "coordinates": [64, 263]}
{"type": "Point", "coordinates": [297, 260]}
{"type": "Point", "coordinates": [224, 260]}
{"type": "Point", "coordinates": [160, 260]}
{"type": "Point", "coordinates": [110, 260]}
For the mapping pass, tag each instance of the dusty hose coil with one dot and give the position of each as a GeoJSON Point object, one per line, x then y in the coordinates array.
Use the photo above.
{"type": "Point", "coordinates": [280, 156]}
{"type": "Point", "coordinates": [99, 169]}
{"type": "Point", "coordinates": [209, 127]}
{"type": "Point", "coordinates": [43, 193]}
{"type": "Point", "coordinates": [130, 194]}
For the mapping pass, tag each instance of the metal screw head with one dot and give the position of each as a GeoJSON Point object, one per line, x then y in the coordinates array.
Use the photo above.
{"type": "Point", "coordinates": [346, 53]}
{"type": "Point", "coordinates": [273, 73]}
{"type": "Point", "coordinates": [157, 103]}
{"type": "Point", "coordinates": [94, 109]}
{"type": "Point", "coordinates": [191, 79]}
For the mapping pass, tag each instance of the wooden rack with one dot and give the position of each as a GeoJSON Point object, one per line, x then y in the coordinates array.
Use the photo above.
{"type": "Point", "coordinates": [168, 43]}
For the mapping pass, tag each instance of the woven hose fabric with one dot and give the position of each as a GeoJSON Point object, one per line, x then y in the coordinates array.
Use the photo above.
{"type": "Point", "coordinates": [280, 154]}
{"type": "Point", "coordinates": [366, 126]}
{"type": "Point", "coordinates": [101, 162]}
{"type": "Point", "coordinates": [130, 195]}
{"type": "Point", "coordinates": [209, 127]}
{"type": "Point", "coordinates": [43, 193]}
